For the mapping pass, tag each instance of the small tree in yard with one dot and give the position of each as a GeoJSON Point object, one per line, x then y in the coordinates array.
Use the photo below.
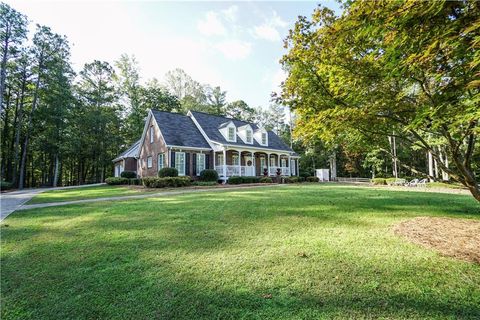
{"type": "Point", "coordinates": [408, 69]}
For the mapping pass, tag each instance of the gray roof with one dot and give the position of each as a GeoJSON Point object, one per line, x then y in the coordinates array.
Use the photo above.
{"type": "Point", "coordinates": [131, 152]}
{"type": "Point", "coordinates": [211, 124]}
{"type": "Point", "coordinates": [179, 130]}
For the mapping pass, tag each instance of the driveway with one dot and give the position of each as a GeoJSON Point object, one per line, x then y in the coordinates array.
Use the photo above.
{"type": "Point", "coordinates": [11, 201]}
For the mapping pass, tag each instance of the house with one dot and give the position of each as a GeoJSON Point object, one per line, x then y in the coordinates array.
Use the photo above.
{"type": "Point", "coordinates": [198, 141]}
{"type": "Point", "coordinates": [127, 160]}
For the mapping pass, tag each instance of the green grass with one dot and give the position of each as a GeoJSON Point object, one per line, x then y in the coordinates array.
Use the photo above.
{"type": "Point", "coordinates": [320, 251]}
{"type": "Point", "coordinates": [82, 193]}
{"type": "Point", "coordinates": [453, 185]}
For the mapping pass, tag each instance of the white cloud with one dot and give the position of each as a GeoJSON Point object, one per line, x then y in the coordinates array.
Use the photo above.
{"type": "Point", "coordinates": [230, 13]}
{"type": "Point", "coordinates": [235, 49]}
{"type": "Point", "coordinates": [268, 30]}
{"type": "Point", "coordinates": [211, 25]}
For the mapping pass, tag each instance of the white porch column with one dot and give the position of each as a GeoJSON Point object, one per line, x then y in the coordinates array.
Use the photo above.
{"type": "Point", "coordinates": [239, 162]}
{"type": "Point", "coordinates": [214, 160]}
{"type": "Point", "coordinates": [289, 166]}
{"type": "Point", "coordinates": [268, 164]}
{"type": "Point", "coordinates": [224, 163]}
{"type": "Point", "coordinates": [253, 164]}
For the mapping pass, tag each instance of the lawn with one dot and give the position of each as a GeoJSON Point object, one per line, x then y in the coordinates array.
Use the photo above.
{"type": "Point", "coordinates": [102, 191]}
{"type": "Point", "coordinates": [295, 252]}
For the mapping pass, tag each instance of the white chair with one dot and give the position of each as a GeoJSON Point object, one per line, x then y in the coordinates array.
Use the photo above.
{"type": "Point", "coordinates": [412, 183]}
{"type": "Point", "coordinates": [422, 183]}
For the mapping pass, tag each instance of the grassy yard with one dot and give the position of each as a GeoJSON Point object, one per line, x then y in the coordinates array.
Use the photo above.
{"type": "Point", "coordinates": [295, 252]}
{"type": "Point", "coordinates": [102, 191]}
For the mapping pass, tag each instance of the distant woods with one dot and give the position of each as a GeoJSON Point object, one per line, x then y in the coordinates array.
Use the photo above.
{"type": "Point", "coordinates": [59, 127]}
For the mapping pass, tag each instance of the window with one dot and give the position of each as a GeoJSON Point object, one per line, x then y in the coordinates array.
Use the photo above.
{"type": "Point", "coordinates": [200, 163]}
{"type": "Point", "coordinates": [293, 167]}
{"type": "Point", "coordinates": [272, 162]}
{"type": "Point", "coordinates": [151, 134]}
{"type": "Point", "coordinates": [249, 136]}
{"type": "Point", "coordinates": [161, 161]}
{"type": "Point", "coordinates": [283, 162]}
{"type": "Point", "coordinates": [180, 163]}
{"type": "Point", "coordinates": [149, 162]}
{"type": "Point", "coordinates": [264, 138]}
{"type": "Point", "coordinates": [262, 163]}
{"type": "Point", "coordinates": [235, 160]}
{"type": "Point", "coordinates": [220, 159]}
{"type": "Point", "coordinates": [231, 133]}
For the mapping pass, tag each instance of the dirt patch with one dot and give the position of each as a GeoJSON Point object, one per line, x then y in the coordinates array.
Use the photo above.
{"type": "Point", "coordinates": [458, 238]}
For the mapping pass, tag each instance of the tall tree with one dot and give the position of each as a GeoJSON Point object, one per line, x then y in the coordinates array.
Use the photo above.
{"type": "Point", "coordinates": [216, 100]}
{"type": "Point", "coordinates": [408, 67]}
{"type": "Point", "coordinates": [13, 30]}
{"type": "Point", "coordinates": [240, 110]}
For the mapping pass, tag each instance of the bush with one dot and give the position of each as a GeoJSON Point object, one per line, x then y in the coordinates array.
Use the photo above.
{"type": "Point", "coordinates": [128, 174]}
{"type": "Point", "coordinates": [135, 182]}
{"type": "Point", "coordinates": [378, 181]}
{"type": "Point", "coordinates": [235, 180]}
{"type": "Point", "coordinates": [390, 181]}
{"type": "Point", "coordinates": [239, 180]}
{"type": "Point", "coordinates": [168, 172]}
{"type": "Point", "coordinates": [291, 179]}
{"type": "Point", "coordinates": [209, 175]}
{"type": "Point", "coordinates": [116, 181]}
{"type": "Point", "coordinates": [205, 183]}
{"type": "Point", "coordinates": [5, 185]}
{"type": "Point", "coordinates": [265, 180]}
{"type": "Point", "coordinates": [166, 182]}
{"type": "Point", "coordinates": [312, 179]}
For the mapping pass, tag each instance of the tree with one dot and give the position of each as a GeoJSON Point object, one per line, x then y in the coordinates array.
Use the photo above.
{"type": "Point", "coordinates": [154, 96]}
{"type": "Point", "coordinates": [191, 93]}
{"type": "Point", "coordinates": [216, 100]}
{"type": "Point", "coordinates": [13, 30]}
{"type": "Point", "coordinates": [404, 67]}
{"type": "Point", "coordinates": [240, 110]}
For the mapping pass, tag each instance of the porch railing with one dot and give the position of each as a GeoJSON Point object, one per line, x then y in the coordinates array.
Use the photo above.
{"type": "Point", "coordinates": [284, 171]}
{"type": "Point", "coordinates": [233, 170]}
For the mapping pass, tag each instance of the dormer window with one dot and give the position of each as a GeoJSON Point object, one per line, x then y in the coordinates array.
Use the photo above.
{"type": "Point", "coordinates": [249, 136]}
{"type": "Point", "coordinates": [264, 138]}
{"type": "Point", "coordinates": [231, 134]}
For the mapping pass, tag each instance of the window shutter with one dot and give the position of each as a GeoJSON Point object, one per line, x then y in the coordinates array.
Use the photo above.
{"type": "Point", "coordinates": [207, 161]}
{"type": "Point", "coordinates": [172, 161]}
{"type": "Point", "coordinates": [194, 164]}
{"type": "Point", "coordinates": [187, 163]}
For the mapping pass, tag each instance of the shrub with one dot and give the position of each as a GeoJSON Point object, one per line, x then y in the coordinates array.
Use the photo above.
{"type": "Point", "coordinates": [378, 181]}
{"type": "Point", "coordinates": [235, 180]}
{"type": "Point", "coordinates": [205, 183]}
{"type": "Point", "coordinates": [312, 179]}
{"type": "Point", "coordinates": [265, 180]}
{"type": "Point", "coordinates": [5, 185]}
{"type": "Point", "coordinates": [166, 182]}
{"type": "Point", "coordinates": [390, 181]}
{"type": "Point", "coordinates": [168, 172]}
{"type": "Point", "coordinates": [128, 174]}
{"type": "Point", "coordinates": [291, 180]}
{"type": "Point", "coordinates": [116, 181]}
{"type": "Point", "coordinates": [209, 175]}
{"type": "Point", "coordinates": [135, 182]}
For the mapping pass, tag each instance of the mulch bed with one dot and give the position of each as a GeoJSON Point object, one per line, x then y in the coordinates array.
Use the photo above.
{"type": "Point", "coordinates": [458, 238]}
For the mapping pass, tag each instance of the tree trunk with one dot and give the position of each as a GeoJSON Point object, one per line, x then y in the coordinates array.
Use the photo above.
{"type": "Point", "coordinates": [18, 128]}
{"type": "Point", "coordinates": [3, 71]}
{"type": "Point", "coordinates": [56, 171]}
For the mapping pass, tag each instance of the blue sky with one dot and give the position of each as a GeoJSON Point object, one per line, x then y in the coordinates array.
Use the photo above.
{"type": "Point", "coordinates": [236, 45]}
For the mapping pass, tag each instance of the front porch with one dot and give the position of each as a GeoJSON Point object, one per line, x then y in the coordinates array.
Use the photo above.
{"type": "Point", "coordinates": [233, 162]}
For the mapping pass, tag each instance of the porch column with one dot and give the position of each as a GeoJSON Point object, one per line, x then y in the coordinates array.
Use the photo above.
{"type": "Point", "coordinates": [239, 163]}
{"type": "Point", "coordinates": [224, 163]}
{"type": "Point", "coordinates": [268, 164]}
{"type": "Point", "coordinates": [289, 166]}
{"type": "Point", "coordinates": [214, 160]}
{"type": "Point", "coordinates": [253, 164]}
{"type": "Point", "coordinates": [298, 173]}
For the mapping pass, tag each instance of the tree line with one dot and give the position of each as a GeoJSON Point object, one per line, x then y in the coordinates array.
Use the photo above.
{"type": "Point", "coordinates": [59, 127]}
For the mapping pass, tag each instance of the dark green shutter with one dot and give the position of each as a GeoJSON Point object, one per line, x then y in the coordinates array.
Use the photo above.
{"type": "Point", "coordinates": [194, 164]}
{"type": "Point", "coordinates": [187, 163]}
{"type": "Point", "coordinates": [172, 161]}
{"type": "Point", "coordinates": [207, 161]}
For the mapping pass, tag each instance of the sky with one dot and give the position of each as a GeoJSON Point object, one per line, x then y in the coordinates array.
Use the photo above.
{"type": "Point", "coordinates": [234, 45]}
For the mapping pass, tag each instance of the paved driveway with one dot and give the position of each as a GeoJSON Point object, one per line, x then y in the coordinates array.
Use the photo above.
{"type": "Point", "coordinates": [11, 201]}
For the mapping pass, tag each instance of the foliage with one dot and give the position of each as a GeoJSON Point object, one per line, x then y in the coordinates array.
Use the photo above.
{"type": "Point", "coordinates": [166, 182]}
{"type": "Point", "coordinates": [135, 181]}
{"type": "Point", "coordinates": [116, 180]}
{"type": "Point", "coordinates": [243, 179]}
{"type": "Point", "coordinates": [209, 175]}
{"type": "Point", "coordinates": [168, 172]}
{"type": "Point", "coordinates": [128, 174]}
{"type": "Point", "coordinates": [373, 72]}
{"type": "Point", "coordinates": [312, 179]}
{"type": "Point", "coordinates": [205, 183]}
{"type": "Point", "coordinates": [378, 181]}
{"type": "Point", "coordinates": [265, 180]}
{"type": "Point", "coordinates": [291, 179]}
{"type": "Point", "coordinates": [5, 185]}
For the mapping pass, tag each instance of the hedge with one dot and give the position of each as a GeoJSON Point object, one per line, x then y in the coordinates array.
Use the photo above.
{"type": "Point", "coordinates": [128, 174]}
{"type": "Point", "coordinates": [116, 181]}
{"type": "Point", "coordinates": [166, 182]}
{"type": "Point", "coordinates": [168, 172]}
{"type": "Point", "coordinates": [240, 180]}
{"type": "Point", "coordinates": [5, 185]}
{"type": "Point", "coordinates": [291, 179]}
{"type": "Point", "coordinates": [378, 181]}
{"type": "Point", "coordinates": [312, 179]}
{"type": "Point", "coordinates": [209, 175]}
{"type": "Point", "coordinates": [204, 183]}
{"type": "Point", "coordinates": [266, 180]}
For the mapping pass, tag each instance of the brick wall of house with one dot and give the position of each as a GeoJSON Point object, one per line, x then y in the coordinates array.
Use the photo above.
{"type": "Point", "coordinates": [151, 149]}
